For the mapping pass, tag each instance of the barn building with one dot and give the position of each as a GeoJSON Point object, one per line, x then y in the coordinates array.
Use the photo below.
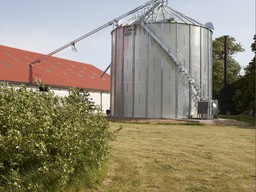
{"type": "Point", "coordinates": [59, 74]}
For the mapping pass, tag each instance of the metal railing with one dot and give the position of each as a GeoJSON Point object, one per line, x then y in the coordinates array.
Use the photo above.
{"type": "Point", "coordinates": [175, 55]}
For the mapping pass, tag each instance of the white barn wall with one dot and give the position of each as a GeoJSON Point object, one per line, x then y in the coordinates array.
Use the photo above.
{"type": "Point", "coordinates": [99, 98]}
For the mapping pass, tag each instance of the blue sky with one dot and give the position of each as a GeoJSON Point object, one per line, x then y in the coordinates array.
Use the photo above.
{"type": "Point", "coordinates": [45, 25]}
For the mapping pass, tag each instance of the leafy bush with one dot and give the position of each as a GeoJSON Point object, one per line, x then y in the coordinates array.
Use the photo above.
{"type": "Point", "coordinates": [46, 142]}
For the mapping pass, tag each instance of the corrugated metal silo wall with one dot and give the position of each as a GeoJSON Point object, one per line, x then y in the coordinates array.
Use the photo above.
{"type": "Point", "coordinates": [145, 81]}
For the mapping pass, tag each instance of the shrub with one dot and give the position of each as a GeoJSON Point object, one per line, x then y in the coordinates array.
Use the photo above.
{"type": "Point", "coordinates": [46, 142]}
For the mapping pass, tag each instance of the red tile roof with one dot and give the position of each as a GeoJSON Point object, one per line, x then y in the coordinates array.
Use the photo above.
{"type": "Point", "coordinates": [14, 67]}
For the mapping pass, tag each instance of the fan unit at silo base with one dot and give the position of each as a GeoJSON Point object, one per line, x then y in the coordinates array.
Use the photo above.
{"type": "Point", "coordinates": [161, 65]}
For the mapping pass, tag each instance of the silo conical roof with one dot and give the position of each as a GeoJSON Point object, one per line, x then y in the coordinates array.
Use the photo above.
{"type": "Point", "coordinates": [163, 13]}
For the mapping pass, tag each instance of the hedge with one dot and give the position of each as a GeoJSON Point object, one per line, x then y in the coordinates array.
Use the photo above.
{"type": "Point", "coordinates": [46, 141]}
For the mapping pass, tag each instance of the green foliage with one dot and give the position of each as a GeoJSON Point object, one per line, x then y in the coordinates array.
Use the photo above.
{"type": "Point", "coordinates": [218, 62]}
{"type": "Point", "coordinates": [245, 95]}
{"type": "Point", "coordinates": [47, 142]}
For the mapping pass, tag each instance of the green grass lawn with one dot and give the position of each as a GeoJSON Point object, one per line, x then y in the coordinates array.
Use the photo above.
{"type": "Point", "coordinates": [150, 157]}
{"type": "Point", "coordinates": [248, 119]}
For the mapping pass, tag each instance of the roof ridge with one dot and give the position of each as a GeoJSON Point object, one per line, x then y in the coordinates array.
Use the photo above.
{"type": "Point", "coordinates": [33, 52]}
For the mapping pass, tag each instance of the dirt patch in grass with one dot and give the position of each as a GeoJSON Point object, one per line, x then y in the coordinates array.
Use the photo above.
{"type": "Point", "coordinates": [217, 122]}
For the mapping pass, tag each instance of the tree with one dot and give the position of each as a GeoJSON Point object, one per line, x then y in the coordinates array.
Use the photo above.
{"type": "Point", "coordinates": [245, 95]}
{"type": "Point", "coordinates": [233, 67]}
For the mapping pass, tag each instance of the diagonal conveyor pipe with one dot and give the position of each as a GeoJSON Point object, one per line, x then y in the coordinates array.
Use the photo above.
{"type": "Point", "coordinates": [152, 2]}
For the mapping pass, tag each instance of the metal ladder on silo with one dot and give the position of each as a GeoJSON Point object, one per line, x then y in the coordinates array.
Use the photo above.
{"type": "Point", "coordinates": [174, 57]}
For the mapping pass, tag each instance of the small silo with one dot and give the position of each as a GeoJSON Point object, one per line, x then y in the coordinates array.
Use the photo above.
{"type": "Point", "coordinates": [161, 65]}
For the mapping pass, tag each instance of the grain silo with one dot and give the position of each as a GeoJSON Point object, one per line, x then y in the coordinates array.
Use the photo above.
{"type": "Point", "coordinates": [161, 65]}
